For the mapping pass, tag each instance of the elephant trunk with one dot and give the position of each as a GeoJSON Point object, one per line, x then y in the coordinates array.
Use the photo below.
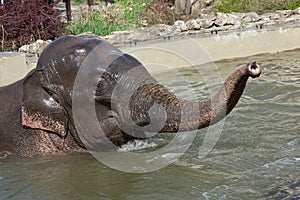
{"type": "Point", "coordinates": [184, 115]}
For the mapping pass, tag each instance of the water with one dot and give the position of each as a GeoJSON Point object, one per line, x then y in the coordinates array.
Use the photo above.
{"type": "Point", "coordinates": [257, 155]}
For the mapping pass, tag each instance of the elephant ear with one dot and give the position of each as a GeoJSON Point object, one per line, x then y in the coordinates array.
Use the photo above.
{"type": "Point", "coordinates": [41, 109]}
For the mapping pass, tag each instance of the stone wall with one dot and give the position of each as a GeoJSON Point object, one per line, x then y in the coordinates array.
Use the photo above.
{"type": "Point", "coordinates": [208, 24]}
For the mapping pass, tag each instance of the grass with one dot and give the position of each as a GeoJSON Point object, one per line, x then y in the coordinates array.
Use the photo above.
{"type": "Point", "coordinates": [122, 15]}
{"type": "Point", "coordinates": [77, 2]}
{"type": "Point", "coordinates": [260, 6]}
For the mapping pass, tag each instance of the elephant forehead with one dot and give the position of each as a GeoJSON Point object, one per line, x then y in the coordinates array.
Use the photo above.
{"type": "Point", "coordinates": [101, 62]}
{"type": "Point", "coordinates": [77, 57]}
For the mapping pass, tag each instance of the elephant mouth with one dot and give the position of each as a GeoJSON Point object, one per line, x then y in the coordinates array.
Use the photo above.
{"type": "Point", "coordinates": [254, 69]}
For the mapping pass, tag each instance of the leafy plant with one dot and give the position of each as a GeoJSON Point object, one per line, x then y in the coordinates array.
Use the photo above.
{"type": "Point", "coordinates": [161, 12]}
{"type": "Point", "coordinates": [124, 15]}
{"type": "Point", "coordinates": [25, 21]}
{"type": "Point", "coordinates": [228, 6]}
{"type": "Point", "coordinates": [79, 1]}
{"type": "Point", "coordinates": [293, 4]}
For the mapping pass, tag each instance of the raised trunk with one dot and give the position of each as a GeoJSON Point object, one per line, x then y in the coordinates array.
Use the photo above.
{"type": "Point", "coordinates": [182, 115]}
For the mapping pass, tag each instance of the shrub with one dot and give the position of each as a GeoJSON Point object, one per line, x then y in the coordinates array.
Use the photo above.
{"type": "Point", "coordinates": [161, 12]}
{"type": "Point", "coordinates": [228, 6]}
{"type": "Point", "coordinates": [121, 15]}
{"type": "Point", "coordinates": [25, 21]}
{"type": "Point", "coordinates": [293, 4]}
{"type": "Point", "coordinates": [124, 15]}
{"type": "Point", "coordinates": [79, 2]}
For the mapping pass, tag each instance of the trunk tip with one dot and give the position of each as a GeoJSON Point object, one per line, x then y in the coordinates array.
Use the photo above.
{"type": "Point", "coordinates": [254, 70]}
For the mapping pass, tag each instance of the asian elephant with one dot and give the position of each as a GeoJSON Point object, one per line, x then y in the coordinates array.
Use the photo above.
{"type": "Point", "coordinates": [36, 114]}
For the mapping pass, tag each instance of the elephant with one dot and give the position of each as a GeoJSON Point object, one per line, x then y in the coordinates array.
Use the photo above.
{"type": "Point", "coordinates": [36, 112]}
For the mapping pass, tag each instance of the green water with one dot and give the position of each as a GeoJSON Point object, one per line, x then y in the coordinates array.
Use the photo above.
{"type": "Point", "coordinates": [256, 157]}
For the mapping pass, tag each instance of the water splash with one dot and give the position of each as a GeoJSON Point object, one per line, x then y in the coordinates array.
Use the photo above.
{"type": "Point", "coordinates": [137, 145]}
{"type": "Point", "coordinates": [218, 192]}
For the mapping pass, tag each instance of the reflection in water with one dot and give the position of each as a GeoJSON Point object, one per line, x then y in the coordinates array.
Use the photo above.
{"type": "Point", "coordinates": [257, 155]}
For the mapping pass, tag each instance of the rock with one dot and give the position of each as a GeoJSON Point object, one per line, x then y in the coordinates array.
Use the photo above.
{"type": "Point", "coordinates": [221, 19]}
{"type": "Point", "coordinates": [193, 24]}
{"type": "Point", "coordinates": [251, 17]}
{"type": "Point", "coordinates": [205, 23]}
{"type": "Point", "coordinates": [208, 16]}
{"type": "Point", "coordinates": [232, 20]}
{"type": "Point", "coordinates": [271, 23]}
{"type": "Point", "coordinates": [238, 16]}
{"type": "Point", "coordinates": [119, 35]}
{"type": "Point", "coordinates": [266, 17]}
{"type": "Point", "coordinates": [296, 11]}
{"type": "Point", "coordinates": [247, 19]}
{"type": "Point", "coordinates": [24, 48]}
{"type": "Point", "coordinates": [36, 47]}
{"type": "Point", "coordinates": [206, 20]}
{"type": "Point", "coordinates": [274, 16]}
{"type": "Point", "coordinates": [167, 29]}
{"type": "Point", "coordinates": [225, 19]}
{"type": "Point", "coordinates": [216, 30]}
{"type": "Point", "coordinates": [291, 19]}
{"type": "Point", "coordinates": [180, 25]}
{"type": "Point", "coordinates": [138, 36]}
{"type": "Point", "coordinates": [284, 13]}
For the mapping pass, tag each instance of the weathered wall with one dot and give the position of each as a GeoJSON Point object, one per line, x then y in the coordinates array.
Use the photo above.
{"type": "Point", "coordinates": [13, 67]}
{"type": "Point", "coordinates": [218, 47]}
{"type": "Point", "coordinates": [179, 53]}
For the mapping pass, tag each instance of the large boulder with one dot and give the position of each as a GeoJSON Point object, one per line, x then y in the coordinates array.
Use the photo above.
{"type": "Point", "coordinates": [284, 13]}
{"type": "Point", "coordinates": [180, 26]}
{"type": "Point", "coordinates": [193, 24]}
{"type": "Point", "coordinates": [296, 11]}
{"type": "Point", "coordinates": [35, 48]}
{"type": "Point", "coordinates": [251, 17]}
{"type": "Point", "coordinates": [226, 19]}
{"type": "Point", "coordinates": [206, 20]}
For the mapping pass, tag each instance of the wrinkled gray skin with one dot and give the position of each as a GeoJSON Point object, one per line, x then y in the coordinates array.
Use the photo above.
{"type": "Point", "coordinates": [36, 112]}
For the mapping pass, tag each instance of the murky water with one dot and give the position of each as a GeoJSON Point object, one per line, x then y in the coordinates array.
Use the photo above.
{"type": "Point", "coordinates": [257, 154]}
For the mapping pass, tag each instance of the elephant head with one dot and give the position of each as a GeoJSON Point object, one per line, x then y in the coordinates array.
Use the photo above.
{"type": "Point", "coordinates": [48, 92]}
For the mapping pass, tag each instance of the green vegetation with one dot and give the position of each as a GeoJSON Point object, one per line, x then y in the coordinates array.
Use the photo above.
{"type": "Point", "coordinates": [260, 6]}
{"type": "Point", "coordinates": [132, 14]}
{"type": "Point", "coordinates": [122, 15]}
{"type": "Point", "coordinates": [80, 1]}
{"type": "Point", "coordinates": [18, 26]}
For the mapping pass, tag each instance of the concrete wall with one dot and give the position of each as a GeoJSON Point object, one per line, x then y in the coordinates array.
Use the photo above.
{"type": "Point", "coordinates": [201, 50]}
{"type": "Point", "coordinates": [13, 67]}
{"type": "Point", "coordinates": [194, 51]}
